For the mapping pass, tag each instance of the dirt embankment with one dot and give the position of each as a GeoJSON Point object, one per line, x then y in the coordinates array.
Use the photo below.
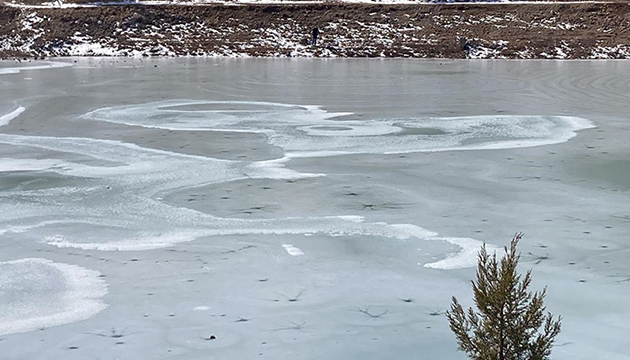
{"type": "Point", "coordinates": [588, 30]}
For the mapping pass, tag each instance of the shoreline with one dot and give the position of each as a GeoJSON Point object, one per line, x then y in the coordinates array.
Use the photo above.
{"type": "Point", "coordinates": [591, 30]}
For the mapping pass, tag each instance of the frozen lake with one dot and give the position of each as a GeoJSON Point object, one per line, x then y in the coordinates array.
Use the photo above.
{"type": "Point", "coordinates": [304, 209]}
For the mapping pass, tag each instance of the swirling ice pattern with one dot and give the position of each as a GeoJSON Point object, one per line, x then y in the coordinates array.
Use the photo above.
{"type": "Point", "coordinates": [305, 131]}
{"type": "Point", "coordinates": [118, 207]}
{"type": "Point", "coordinates": [114, 202]}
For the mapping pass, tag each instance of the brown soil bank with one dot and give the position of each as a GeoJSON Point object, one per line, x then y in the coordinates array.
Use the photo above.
{"type": "Point", "coordinates": [587, 30]}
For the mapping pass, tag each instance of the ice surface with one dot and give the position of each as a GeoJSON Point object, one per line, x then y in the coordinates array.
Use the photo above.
{"type": "Point", "coordinates": [337, 230]}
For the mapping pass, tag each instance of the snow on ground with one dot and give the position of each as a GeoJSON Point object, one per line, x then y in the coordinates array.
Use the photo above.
{"type": "Point", "coordinates": [380, 37]}
{"type": "Point", "coordinates": [611, 52]}
{"type": "Point", "coordinates": [338, 38]}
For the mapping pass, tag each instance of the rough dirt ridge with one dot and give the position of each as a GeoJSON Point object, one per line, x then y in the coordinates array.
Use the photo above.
{"type": "Point", "coordinates": [523, 31]}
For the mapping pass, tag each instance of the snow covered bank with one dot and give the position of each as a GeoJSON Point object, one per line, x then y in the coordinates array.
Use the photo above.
{"type": "Point", "coordinates": [563, 30]}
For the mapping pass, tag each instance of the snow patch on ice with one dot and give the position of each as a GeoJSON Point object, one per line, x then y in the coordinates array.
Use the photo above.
{"type": "Point", "coordinates": [5, 119]}
{"type": "Point", "coordinates": [292, 250]}
{"type": "Point", "coordinates": [38, 293]}
{"type": "Point", "coordinates": [275, 169]}
{"type": "Point", "coordinates": [45, 65]}
{"type": "Point", "coordinates": [466, 257]}
{"type": "Point", "coordinates": [10, 165]}
{"type": "Point", "coordinates": [137, 243]}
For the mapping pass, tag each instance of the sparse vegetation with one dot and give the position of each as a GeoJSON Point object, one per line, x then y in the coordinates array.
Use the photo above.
{"type": "Point", "coordinates": [510, 322]}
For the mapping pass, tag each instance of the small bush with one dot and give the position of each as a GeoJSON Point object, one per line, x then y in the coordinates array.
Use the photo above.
{"type": "Point", "coordinates": [510, 322]}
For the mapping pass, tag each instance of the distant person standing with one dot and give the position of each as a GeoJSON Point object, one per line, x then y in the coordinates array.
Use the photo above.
{"type": "Point", "coordinates": [315, 34]}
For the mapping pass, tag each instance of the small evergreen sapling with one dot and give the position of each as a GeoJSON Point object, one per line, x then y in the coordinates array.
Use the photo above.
{"type": "Point", "coordinates": [510, 322]}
